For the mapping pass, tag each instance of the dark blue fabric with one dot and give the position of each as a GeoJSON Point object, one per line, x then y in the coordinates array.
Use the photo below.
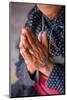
{"type": "Point", "coordinates": [21, 90]}
{"type": "Point", "coordinates": [56, 79]}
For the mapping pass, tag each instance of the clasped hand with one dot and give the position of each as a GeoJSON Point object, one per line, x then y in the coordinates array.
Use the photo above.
{"type": "Point", "coordinates": [35, 51]}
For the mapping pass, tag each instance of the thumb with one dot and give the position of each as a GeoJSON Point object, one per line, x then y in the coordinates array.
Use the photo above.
{"type": "Point", "coordinates": [42, 37]}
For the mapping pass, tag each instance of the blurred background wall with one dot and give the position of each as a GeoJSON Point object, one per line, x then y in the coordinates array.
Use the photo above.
{"type": "Point", "coordinates": [18, 16]}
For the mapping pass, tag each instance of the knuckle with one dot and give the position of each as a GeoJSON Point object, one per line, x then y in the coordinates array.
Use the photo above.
{"type": "Point", "coordinates": [24, 31]}
{"type": "Point", "coordinates": [20, 45]}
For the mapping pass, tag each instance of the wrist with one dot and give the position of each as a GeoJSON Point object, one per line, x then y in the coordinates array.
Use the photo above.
{"type": "Point", "coordinates": [46, 70]}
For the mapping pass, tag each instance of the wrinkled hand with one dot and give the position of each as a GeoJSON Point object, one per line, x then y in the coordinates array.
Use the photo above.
{"type": "Point", "coordinates": [34, 51]}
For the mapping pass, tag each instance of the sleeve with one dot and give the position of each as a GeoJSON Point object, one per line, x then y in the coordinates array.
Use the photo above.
{"type": "Point", "coordinates": [56, 79]}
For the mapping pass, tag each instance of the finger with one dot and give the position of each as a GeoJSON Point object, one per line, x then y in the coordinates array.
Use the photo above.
{"type": "Point", "coordinates": [25, 42]}
{"type": "Point", "coordinates": [30, 36]}
{"type": "Point", "coordinates": [40, 37]}
{"type": "Point", "coordinates": [22, 38]}
{"type": "Point", "coordinates": [20, 45]}
{"type": "Point", "coordinates": [21, 51]}
{"type": "Point", "coordinates": [45, 39]}
{"type": "Point", "coordinates": [26, 54]}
